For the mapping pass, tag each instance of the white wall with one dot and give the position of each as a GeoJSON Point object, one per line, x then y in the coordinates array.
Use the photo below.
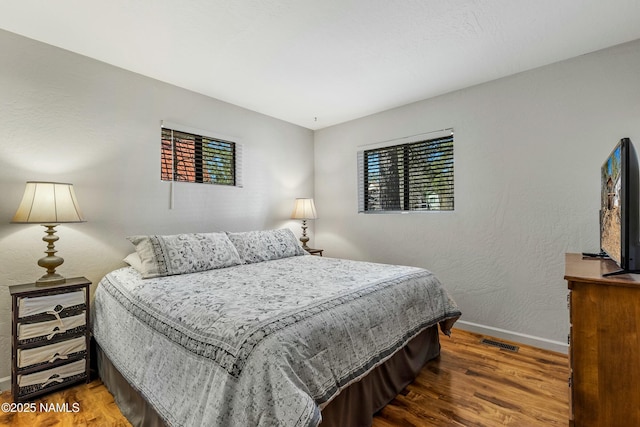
{"type": "Point", "coordinates": [528, 151]}
{"type": "Point", "coordinates": [65, 117]}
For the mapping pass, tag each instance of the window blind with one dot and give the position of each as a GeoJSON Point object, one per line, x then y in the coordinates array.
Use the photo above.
{"type": "Point", "coordinates": [416, 176]}
{"type": "Point", "coordinates": [190, 157]}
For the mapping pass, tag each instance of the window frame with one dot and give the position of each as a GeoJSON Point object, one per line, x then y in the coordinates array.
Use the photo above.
{"type": "Point", "coordinates": [403, 153]}
{"type": "Point", "coordinates": [196, 171]}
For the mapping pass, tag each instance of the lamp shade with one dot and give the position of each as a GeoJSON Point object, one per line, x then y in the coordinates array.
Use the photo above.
{"type": "Point", "coordinates": [48, 203]}
{"type": "Point", "coordinates": [304, 209]}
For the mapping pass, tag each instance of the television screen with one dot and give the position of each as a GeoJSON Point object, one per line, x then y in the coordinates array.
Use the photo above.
{"type": "Point", "coordinates": [611, 211]}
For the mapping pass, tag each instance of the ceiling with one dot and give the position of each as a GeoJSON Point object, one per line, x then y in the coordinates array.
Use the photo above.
{"type": "Point", "coordinates": [317, 63]}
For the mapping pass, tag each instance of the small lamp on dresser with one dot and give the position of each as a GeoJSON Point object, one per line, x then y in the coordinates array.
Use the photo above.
{"type": "Point", "coordinates": [304, 209]}
{"type": "Point", "coordinates": [49, 204]}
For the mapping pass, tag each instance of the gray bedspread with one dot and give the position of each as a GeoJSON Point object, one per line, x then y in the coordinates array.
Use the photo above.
{"type": "Point", "coordinates": [265, 344]}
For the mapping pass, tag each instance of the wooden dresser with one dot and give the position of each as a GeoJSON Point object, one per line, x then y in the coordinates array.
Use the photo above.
{"type": "Point", "coordinates": [50, 337]}
{"type": "Point", "coordinates": [604, 340]}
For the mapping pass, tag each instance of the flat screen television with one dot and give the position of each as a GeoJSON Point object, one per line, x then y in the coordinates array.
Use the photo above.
{"type": "Point", "coordinates": [619, 212]}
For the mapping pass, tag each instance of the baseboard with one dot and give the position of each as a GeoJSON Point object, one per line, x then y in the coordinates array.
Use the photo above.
{"type": "Point", "coordinates": [557, 346]}
{"type": "Point", "coordinates": [5, 384]}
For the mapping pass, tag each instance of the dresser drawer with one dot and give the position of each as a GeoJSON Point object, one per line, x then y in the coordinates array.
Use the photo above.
{"type": "Point", "coordinates": [51, 304]}
{"type": "Point", "coordinates": [45, 331]}
{"type": "Point", "coordinates": [48, 354]}
{"type": "Point", "coordinates": [42, 380]}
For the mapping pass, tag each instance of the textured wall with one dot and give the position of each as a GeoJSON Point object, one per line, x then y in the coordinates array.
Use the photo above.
{"type": "Point", "coordinates": [64, 117]}
{"type": "Point", "coordinates": [528, 150]}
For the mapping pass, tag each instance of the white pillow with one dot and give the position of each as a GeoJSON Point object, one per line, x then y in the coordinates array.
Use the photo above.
{"type": "Point", "coordinates": [184, 253]}
{"type": "Point", "coordinates": [133, 259]}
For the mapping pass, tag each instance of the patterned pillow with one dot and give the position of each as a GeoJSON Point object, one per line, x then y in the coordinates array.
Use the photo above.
{"type": "Point", "coordinates": [184, 253]}
{"type": "Point", "coordinates": [257, 246]}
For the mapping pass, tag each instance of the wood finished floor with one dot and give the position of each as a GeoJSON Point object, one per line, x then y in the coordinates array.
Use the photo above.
{"type": "Point", "coordinates": [471, 384]}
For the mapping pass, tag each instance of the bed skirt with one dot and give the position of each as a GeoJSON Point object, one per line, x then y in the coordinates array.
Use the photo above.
{"type": "Point", "coordinates": [354, 406]}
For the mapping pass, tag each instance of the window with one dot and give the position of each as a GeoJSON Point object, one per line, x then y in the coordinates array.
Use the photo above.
{"type": "Point", "coordinates": [416, 176]}
{"type": "Point", "coordinates": [190, 157]}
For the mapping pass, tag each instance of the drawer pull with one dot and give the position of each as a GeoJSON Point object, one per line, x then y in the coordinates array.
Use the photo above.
{"type": "Point", "coordinates": [56, 330]}
{"type": "Point", "coordinates": [56, 312]}
{"type": "Point", "coordinates": [58, 356]}
{"type": "Point", "coordinates": [55, 378]}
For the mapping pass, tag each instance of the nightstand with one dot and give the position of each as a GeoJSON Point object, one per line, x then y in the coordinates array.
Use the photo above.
{"type": "Point", "coordinates": [315, 251]}
{"type": "Point", "coordinates": [50, 337]}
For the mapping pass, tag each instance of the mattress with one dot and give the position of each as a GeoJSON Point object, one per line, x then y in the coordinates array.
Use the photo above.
{"type": "Point", "coordinates": [263, 344]}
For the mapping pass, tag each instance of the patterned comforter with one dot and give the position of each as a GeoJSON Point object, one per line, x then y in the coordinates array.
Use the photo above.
{"type": "Point", "coordinates": [262, 344]}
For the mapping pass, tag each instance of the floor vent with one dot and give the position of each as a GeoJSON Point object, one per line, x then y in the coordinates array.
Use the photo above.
{"type": "Point", "coordinates": [504, 346]}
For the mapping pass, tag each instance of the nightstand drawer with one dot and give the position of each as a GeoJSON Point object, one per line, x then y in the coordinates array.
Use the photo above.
{"type": "Point", "coordinates": [48, 354]}
{"type": "Point", "coordinates": [41, 380]}
{"type": "Point", "coordinates": [51, 304]}
{"type": "Point", "coordinates": [45, 331]}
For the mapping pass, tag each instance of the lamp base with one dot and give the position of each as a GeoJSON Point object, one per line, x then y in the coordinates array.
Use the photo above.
{"type": "Point", "coordinates": [51, 261]}
{"type": "Point", "coordinates": [304, 239]}
{"type": "Point", "coordinates": [50, 279]}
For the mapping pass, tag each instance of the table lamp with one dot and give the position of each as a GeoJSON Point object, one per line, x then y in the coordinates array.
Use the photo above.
{"type": "Point", "coordinates": [304, 209]}
{"type": "Point", "coordinates": [49, 204]}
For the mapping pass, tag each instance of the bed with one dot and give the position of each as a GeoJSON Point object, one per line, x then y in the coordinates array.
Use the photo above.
{"type": "Point", "coordinates": [244, 329]}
